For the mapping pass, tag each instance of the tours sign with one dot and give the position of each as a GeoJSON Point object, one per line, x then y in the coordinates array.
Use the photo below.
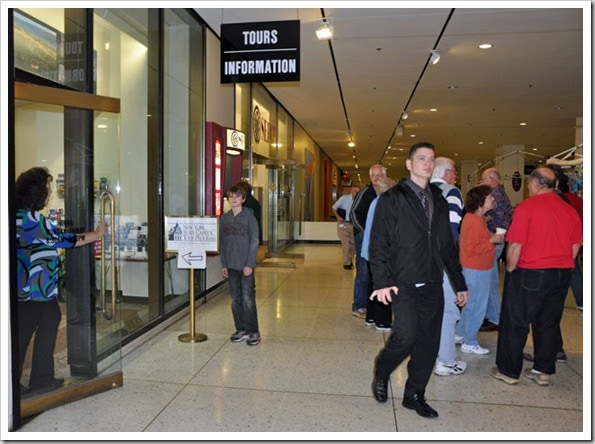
{"type": "Point", "coordinates": [260, 52]}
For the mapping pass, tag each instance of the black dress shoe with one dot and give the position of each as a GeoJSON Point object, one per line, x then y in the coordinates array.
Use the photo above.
{"type": "Point", "coordinates": [25, 392]}
{"type": "Point", "coordinates": [52, 385]}
{"type": "Point", "coordinates": [380, 389]}
{"type": "Point", "coordinates": [418, 403]}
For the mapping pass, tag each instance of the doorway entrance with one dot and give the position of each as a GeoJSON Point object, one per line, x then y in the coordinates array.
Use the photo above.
{"type": "Point", "coordinates": [76, 136]}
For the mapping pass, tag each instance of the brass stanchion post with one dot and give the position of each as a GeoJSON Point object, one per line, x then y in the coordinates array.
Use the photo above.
{"type": "Point", "coordinates": [192, 337]}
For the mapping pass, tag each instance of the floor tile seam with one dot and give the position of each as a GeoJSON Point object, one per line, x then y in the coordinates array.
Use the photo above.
{"type": "Point", "coordinates": [317, 286]}
{"type": "Point", "coordinates": [164, 408]}
{"type": "Point", "coordinates": [310, 338]}
{"type": "Point", "coordinates": [572, 369]}
{"type": "Point", "coordinates": [184, 386]}
{"type": "Point", "coordinates": [274, 290]}
{"type": "Point", "coordinates": [282, 391]}
{"type": "Point", "coordinates": [505, 405]}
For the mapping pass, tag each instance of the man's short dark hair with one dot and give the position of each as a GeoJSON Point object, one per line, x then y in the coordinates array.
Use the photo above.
{"type": "Point", "coordinates": [419, 145]}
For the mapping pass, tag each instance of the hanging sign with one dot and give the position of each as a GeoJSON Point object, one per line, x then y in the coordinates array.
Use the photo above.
{"type": "Point", "coordinates": [260, 52]}
{"type": "Point", "coordinates": [517, 181]}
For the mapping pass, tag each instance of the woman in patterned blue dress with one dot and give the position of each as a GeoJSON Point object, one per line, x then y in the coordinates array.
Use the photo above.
{"type": "Point", "coordinates": [38, 241]}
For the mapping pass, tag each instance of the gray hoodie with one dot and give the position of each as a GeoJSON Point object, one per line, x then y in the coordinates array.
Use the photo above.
{"type": "Point", "coordinates": [239, 239]}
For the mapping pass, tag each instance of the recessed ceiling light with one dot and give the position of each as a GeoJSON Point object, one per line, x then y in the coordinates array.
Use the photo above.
{"type": "Point", "coordinates": [351, 144]}
{"type": "Point", "coordinates": [480, 143]}
{"type": "Point", "coordinates": [433, 110]}
{"type": "Point", "coordinates": [523, 124]}
{"type": "Point", "coordinates": [452, 87]}
{"type": "Point", "coordinates": [412, 135]}
{"type": "Point", "coordinates": [485, 46]}
{"type": "Point", "coordinates": [534, 149]}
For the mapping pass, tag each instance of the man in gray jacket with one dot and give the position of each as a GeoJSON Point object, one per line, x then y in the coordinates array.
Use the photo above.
{"type": "Point", "coordinates": [410, 246]}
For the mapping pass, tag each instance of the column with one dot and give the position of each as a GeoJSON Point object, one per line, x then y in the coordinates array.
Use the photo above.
{"type": "Point", "coordinates": [470, 174]}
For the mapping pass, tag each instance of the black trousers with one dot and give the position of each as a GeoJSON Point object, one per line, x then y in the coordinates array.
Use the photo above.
{"type": "Point", "coordinates": [536, 298]}
{"type": "Point", "coordinates": [415, 333]}
{"type": "Point", "coordinates": [41, 319]}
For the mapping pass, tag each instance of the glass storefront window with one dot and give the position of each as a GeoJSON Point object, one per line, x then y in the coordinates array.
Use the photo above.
{"type": "Point", "coordinates": [182, 135]}
{"type": "Point", "coordinates": [121, 52]}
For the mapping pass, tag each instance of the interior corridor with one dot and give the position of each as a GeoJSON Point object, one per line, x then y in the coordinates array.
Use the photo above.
{"type": "Point", "coordinates": [312, 373]}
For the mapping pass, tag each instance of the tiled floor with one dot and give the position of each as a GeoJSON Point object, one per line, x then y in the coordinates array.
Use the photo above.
{"type": "Point", "coordinates": [312, 373]}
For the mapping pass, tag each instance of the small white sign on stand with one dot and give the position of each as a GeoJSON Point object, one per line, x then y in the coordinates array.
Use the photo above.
{"type": "Point", "coordinates": [189, 256]}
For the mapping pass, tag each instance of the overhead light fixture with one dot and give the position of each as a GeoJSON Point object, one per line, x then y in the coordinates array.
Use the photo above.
{"type": "Point", "coordinates": [325, 32]}
{"type": "Point", "coordinates": [404, 115]}
{"type": "Point", "coordinates": [485, 46]}
{"type": "Point", "coordinates": [435, 57]}
{"type": "Point", "coordinates": [399, 131]}
{"type": "Point", "coordinates": [351, 144]}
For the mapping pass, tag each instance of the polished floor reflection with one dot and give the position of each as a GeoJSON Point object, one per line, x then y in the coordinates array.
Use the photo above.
{"type": "Point", "coordinates": [312, 373]}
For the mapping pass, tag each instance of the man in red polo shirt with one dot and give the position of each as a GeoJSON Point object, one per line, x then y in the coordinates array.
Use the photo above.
{"type": "Point", "coordinates": [543, 240]}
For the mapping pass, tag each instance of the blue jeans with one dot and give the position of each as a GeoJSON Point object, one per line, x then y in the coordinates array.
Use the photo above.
{"type": "Point", "coordinates": [243, 301]}
{"type": "Point", "coordinates": [478, 284]}
{"type": "Point", "coordinates": [493, 309]}
{"type": "Point", "coordinates": [362, 288]}
{"type": "Point", "coordinates": [536, 298]}
{"type": "Point", "coordinates": [448, 351]}
{"type": "Point", "coordinates": [576, 282]}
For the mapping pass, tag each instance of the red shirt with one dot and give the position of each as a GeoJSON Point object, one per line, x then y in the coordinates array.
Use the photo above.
{"type": "Point", "coordinates": [576, 202]}
{"type": "Point", "coordinates": [547, 228]}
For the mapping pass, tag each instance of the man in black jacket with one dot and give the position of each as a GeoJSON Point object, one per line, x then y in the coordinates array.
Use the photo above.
{"type": "Point", "coordinates": [410, 246]}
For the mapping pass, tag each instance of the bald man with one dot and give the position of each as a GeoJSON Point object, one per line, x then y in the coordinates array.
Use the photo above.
{"type": "Point", "coordinates": [543, 240]}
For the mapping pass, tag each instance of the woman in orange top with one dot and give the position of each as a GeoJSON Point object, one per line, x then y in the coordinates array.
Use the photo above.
{"type": "Point", "coordinates": [477, 258]}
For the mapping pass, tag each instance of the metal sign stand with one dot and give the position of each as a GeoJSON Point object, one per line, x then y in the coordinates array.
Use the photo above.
{"type": "Point", "coordinates": [191, 237]}
{"type": "Point", "coordinates": [192, 336]}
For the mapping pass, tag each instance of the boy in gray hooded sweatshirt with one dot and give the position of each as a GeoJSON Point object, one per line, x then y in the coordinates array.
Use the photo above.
{"type": "Point", "coordinates": [238, 248]}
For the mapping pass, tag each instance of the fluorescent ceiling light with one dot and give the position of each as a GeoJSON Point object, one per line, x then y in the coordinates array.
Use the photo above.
{"type": "Point", "coordinates": [325, 32]}
{"type": "Point", "coordinates": [435, 57]}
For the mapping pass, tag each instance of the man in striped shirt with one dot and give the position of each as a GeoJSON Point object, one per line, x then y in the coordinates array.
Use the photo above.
{"type": "Point", "coordinates": [444, 176]}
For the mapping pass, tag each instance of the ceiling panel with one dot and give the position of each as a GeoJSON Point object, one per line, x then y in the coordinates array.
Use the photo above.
{"type": "Point", "coordinates": [533, 74]}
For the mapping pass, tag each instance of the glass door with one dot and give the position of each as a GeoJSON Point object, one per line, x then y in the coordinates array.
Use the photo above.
{"type": "Point", "coordinates": [281, 207]}
{"type": "Point", "coordinates": [77, 137]}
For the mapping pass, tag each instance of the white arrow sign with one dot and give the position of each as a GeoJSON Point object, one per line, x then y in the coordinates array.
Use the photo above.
{"type": "Point", "coordinates": [189, 257]}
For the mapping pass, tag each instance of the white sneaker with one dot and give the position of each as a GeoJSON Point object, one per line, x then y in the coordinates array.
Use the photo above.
{"type": "Point", "coordinates": [446, 370]}
{"type": "Point", "coordinates": [474, 349]}
{"type": "Point", "coordinates": [459, 339]}
{"type": "Point", "coordinates": [383, 328]}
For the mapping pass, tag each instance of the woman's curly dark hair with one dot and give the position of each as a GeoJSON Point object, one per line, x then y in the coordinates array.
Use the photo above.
{"type": "Point", "coordinates": [476, 197]}
{"type": "Point", "coordinates": [31, 188]}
